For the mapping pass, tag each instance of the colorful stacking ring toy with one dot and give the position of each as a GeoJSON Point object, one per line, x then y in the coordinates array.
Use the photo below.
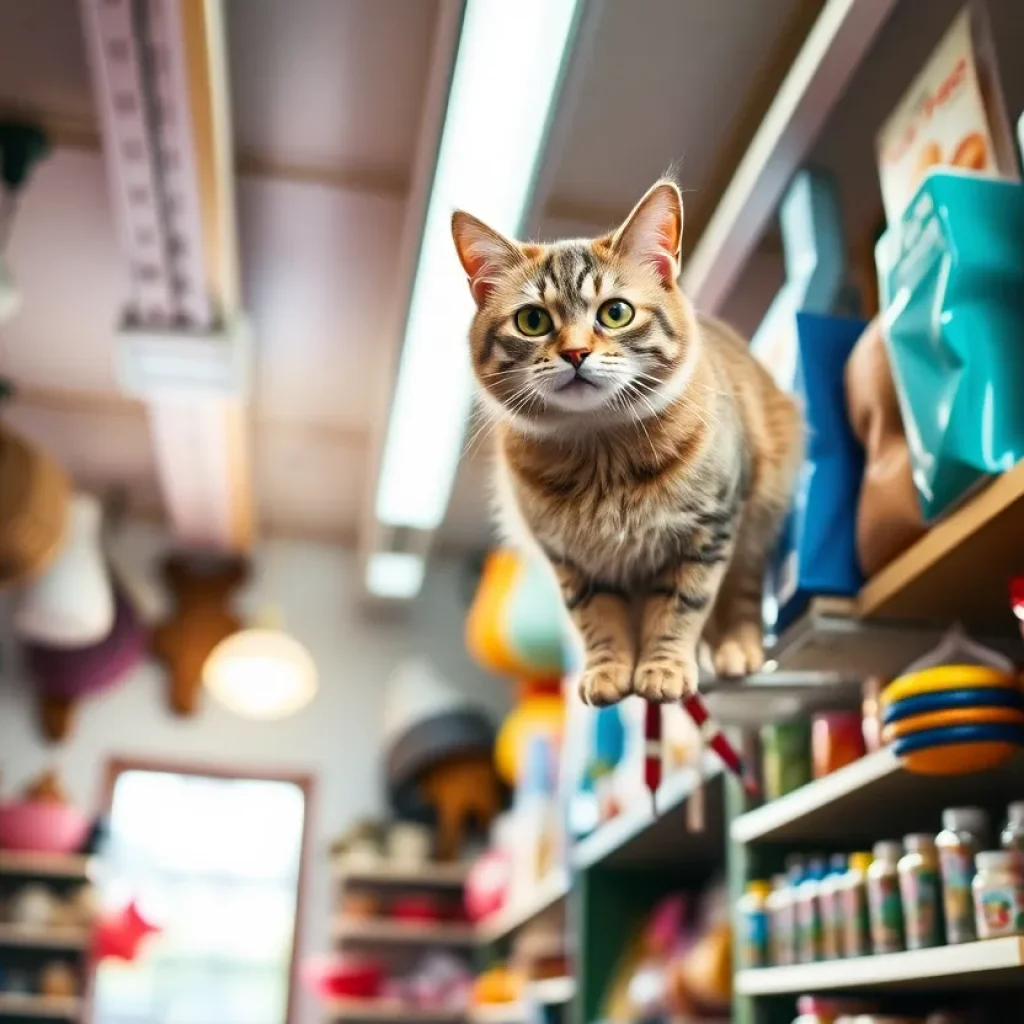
{"type": "Point", "coordinates": [952, 700]}
{"type": "Point", "coordinates": [947, 677]}
{"type": "Point", "coordinates": [953, 719]}
{"type": "Point", "coordinates": [959, 750]}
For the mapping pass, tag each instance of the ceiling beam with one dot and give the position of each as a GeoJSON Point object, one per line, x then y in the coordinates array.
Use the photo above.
{"type": "Point", "coordinates": [160, 77]}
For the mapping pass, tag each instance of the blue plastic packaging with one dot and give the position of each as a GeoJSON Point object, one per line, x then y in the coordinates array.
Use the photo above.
{"type": "Point", "coordinates": [818, 553]}
{"type": "Point", "coordinates": [951, 284]}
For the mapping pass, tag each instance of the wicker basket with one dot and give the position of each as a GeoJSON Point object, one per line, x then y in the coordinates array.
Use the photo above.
{"type": "Point", "coordinates": [34, 499]}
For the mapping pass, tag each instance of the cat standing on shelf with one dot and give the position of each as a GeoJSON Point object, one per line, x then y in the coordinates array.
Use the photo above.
{"type": "Point", "coordinates": [641, 447]}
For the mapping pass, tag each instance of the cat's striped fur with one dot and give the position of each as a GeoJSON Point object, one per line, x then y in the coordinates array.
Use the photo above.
{"type": "Point", "coordinates": [651, 459]}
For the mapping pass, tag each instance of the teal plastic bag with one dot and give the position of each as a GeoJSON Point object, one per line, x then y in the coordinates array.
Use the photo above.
{"type": "Point", "coordinates": [951, 277]}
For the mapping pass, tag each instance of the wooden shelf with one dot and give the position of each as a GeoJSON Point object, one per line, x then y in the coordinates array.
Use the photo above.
{"type": "Point", "coordinates": [872, 799]}
{"type": "Point", "coordinates": [549, 892]}
{"type": "Point", "coordinates": [639, 836]}
{"type": "Point", "coordinates": [39, 1007]}
{"type": "Point", "coordinates": [960, 569]}
{"type": "Point", "coordinates": [429, 876]}
{"type": "Point", "coordinates": [995, 963]}
{"type": "Point", "coordinates": [384, 1011]}
{"type": "Point", "coordinates": [384, 932]}
{"type": "Point", "coordinates": [28, 937]}
{"type": "Point", "coordinates": [45, 865]}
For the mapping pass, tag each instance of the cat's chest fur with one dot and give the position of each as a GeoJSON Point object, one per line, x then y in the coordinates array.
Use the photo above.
{"type": "Point", "coordinates": [616, 526]}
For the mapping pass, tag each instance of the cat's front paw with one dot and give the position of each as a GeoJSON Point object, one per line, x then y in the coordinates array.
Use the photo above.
{"type": "Point", "coordinates": [740, 654]}
{"type": "Point", "coordinates": [664, 681]}
{"type": "Point", "coordinates": [606, 684]}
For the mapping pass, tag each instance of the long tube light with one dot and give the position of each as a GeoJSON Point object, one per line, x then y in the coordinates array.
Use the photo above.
{"type": "Point", "coordinates": [506, 77]}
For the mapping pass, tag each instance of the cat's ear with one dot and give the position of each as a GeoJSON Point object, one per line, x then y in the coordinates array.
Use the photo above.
{"type": "Point", "coordinates": [484, 253]}
{"type": "Point", "coordinates": [653, 232]}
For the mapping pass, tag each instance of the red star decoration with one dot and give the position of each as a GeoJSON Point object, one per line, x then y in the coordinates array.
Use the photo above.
{"type": "Point", "coordinates": [118, 936]}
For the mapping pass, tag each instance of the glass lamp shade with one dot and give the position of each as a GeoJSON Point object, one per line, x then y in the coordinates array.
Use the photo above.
{"type": "Point", "coordinates": [261, 673]}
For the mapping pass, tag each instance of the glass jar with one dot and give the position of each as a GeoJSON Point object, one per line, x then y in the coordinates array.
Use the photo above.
{"type": "Point", "coordinates": [854, 896]}
{"type": "Point", "coordinates": [998, 894]}
{"type": "Point", "coordinates": [964, 833]}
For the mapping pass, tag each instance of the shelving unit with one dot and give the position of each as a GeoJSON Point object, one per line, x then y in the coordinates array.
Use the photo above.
{"type": "Point", "coordinates": [384, 1011]}
{"type": "Point", "coordinates": [31, 946]}
{"type": "Point", "coordinates": [425, 876]}
{"type": "Point", "coordinates": [40, 1008]}
{"type": "Point", "coordinates": [550, 892]}
{"type": "Point", "coordinates": [376, 932]}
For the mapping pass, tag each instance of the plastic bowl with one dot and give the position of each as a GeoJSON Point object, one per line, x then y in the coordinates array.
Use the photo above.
{"type": "Point", "coordinates": [33, 826]}
{"type": "Point", "coordinates": [950, 700]}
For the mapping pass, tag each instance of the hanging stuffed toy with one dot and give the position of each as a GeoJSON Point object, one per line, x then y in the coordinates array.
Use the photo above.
{"type": "Point", "coordinates": [72, 603]}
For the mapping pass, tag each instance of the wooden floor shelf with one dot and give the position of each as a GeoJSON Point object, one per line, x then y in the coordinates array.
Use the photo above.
{"type": "Point", "coordinates": [382, 931]}
{"type": "Point", "coordinates": [17, 936]}
{"type": "Point", "coordinates": [45, 865]}
{"type": "Point", "coordinates": [996, 963]}
{"type": "Point", "coordinates": [385, 1011]}
{"type": "Point", "coordinates": [39, 1007]}
{"type": "Point", "coordinates": [426, 876]}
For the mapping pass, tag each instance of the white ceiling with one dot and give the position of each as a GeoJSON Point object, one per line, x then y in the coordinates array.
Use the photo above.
{"type": "Point", "coordinates": [327, 101]}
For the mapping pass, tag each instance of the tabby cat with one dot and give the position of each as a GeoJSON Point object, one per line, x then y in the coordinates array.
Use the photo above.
{"type": "Point", "coordinates": [640, 446]}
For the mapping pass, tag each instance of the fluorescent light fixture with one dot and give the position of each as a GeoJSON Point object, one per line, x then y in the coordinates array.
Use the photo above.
{"type": "Point", "coordinates": [506, 75]}
{"type": "Point", "coordinates": [395, 575]}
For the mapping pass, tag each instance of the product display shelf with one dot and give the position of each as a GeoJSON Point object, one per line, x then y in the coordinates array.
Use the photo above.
{"type": "Point", "coordinates": [385, 874]}
{"type": "Point", "coordinates": [687, 818]}
{"type": "Point", "coordinates": [996, 964]}
{"type": "Point", "coordinates": [384, 1011]}
{"type": "Point", "coordinates": [39, 1008]}
{"type": "Point", "coordinates": [629, 864]}
{"type": "Point", "coordinates": [45, 865]}
{"type": "Point", "coordinates": [18, 936]}
{"type": "Point", "coordinates": [548, 893]}
{"type": "Point", "coordinates": [383, 931]}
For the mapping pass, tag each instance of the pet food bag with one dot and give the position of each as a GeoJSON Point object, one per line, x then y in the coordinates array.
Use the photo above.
{"type": "Point", "coordinates": [818, 552]}
{"type": "Point", "coordinates": [951, 284]}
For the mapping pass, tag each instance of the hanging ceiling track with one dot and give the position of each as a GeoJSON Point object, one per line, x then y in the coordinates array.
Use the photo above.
{"type": "Point", "coordinates": [159, 74]}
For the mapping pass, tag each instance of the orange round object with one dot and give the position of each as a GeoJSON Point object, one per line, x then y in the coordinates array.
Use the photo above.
{"type": "Point", "coordinates": [959, 758]}
{"type": "Point", "coordinates": [954, 716]}
{"type": "Point", "coordinates": [971, 152]}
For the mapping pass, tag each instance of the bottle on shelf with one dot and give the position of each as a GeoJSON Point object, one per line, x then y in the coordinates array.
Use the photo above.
{"type": "Point", "coordinates": [830, 898]}
{"type": "Point", "coordinates": [884, 904]}
{"type": "Point", "coordinates": [780, 922]}
{"type": "Point", "coordinates": [854, 897]}
{"type": "Point", "coordinates": [920, 892]}
{"type": "Point", "coordinates": [808, 912]}
{"type": "Point", "coordinates": [1012, 837]}
{"type": "Point", "coordinates": [998, 894]}
{"type": "Point", "coordinates": [754, 929]}
{"type": "Point", "coordinates": [964, 833]}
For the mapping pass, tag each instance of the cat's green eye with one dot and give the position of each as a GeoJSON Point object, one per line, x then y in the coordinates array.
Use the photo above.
{"type": "Point", "coordinates": [615, 313]}
{"type": "Point", "coordinates": [533, 321]}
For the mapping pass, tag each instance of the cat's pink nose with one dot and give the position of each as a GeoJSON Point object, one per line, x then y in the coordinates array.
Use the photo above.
{"type": "Point", "coordinates": [575, 356]}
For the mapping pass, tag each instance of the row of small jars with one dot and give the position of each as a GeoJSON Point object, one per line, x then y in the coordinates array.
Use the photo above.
{"type": "Point", "coordinates": [923, 892]}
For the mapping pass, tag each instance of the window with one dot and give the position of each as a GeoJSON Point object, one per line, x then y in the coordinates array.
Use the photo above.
{"type": "Point", "coordinates": [216, 861]}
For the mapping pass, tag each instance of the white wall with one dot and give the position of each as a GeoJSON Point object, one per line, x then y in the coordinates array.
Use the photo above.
{"type": "Point", "coordinates": [337, 738]}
